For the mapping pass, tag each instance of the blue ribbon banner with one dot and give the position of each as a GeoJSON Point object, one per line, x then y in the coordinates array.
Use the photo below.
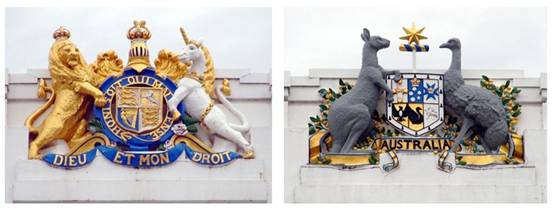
{"type": "Point", "coordinates": [141, 159]}
{"type": "Point", "coordinates": [211, 159]}
{"type": "Point", "coordinates": [70, 161]}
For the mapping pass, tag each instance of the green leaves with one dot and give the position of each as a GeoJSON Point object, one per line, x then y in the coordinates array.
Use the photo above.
{"type": "Point", "coordinates": [311, 129]}
{"type": "Point", "coordinates": [516, 113]}
{"type": "Point", "coordinates": [508, 96]}
{"type": "Point", "coordinates": [498, 92]}
{"type": "Point", "coordinates": [459, 161]}
{"type": "Point", "coordinates": [319, 122]}
{"type": "Point", "coordinates": [188, 120]}
{"type": "Point", "coordinates": [323, 107]}
{"type": "Point", "coordinates": [192, 128]}
{"type": "Point", "coordinates": [322, 92]}
{"type": "Point", "coordinates": [94, 125]}
{"type": "Point", "coordinates": [315, 119]}
{"type": "Point", "coordinates": [373, 159]}
{"type": "Point", "coordinates": [190, 123]}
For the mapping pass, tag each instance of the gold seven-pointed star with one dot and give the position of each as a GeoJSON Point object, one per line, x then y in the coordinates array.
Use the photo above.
{"type": "Point", "coordinates": [413, 34]}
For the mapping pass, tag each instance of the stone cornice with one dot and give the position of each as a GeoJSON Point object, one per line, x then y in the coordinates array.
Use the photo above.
{"type": "Point", "coordinates": [244, 84]}
{"type": "Point", "coordinates": [298, 87]}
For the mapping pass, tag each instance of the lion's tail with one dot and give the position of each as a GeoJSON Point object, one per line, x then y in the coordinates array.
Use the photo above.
{"type": "Point", "coordinates": [244, 127]}
{"type": "Point", "coordinates": [42, 93]}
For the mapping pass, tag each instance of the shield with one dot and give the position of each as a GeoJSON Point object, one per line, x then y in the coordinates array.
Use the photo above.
{"type": "Point", "coordinates": [139, 109]}
{"type": "Point", "coordinates": [417, 108]}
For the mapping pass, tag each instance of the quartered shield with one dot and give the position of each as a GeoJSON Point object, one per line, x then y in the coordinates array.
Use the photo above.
{"type": "Point", "coordinates": [417, 108]}
{"type": "Point", "coordinates": [139, 109]}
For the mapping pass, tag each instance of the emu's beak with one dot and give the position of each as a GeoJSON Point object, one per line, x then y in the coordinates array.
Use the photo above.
{"type": "Point", "coordinates": [445, 45]}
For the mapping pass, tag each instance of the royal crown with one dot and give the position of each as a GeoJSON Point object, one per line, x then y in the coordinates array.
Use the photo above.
{"type": "Point", "coordinates": [61, 32]}
{"type": "Point", "coordinates": [139, 31]}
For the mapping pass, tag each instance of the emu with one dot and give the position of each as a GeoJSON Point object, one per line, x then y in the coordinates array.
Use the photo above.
{"type": "Point", "coordinates": [478, 107]}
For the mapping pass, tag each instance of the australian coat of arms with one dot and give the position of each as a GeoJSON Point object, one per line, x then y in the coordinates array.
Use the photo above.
{"type": "Point", "coordinates": [464, 125]}
{"type": "Point", "coordinates": [136, 115]}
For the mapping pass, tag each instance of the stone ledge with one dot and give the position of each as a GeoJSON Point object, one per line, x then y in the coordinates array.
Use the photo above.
{"type": "Point", "coordinates": [179, 182]}
{"type": "Point", "coordinates": [35, 170]}
{"type": "Point", "coordinates": [136, 190]}
{"type": "Point", "coordinates": [330, 193]}
{"type": "Point", "coordinates": [409, 173]}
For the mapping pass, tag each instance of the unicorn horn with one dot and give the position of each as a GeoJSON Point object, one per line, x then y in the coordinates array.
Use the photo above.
{"type": "Point", "coordinates": [184, 35]}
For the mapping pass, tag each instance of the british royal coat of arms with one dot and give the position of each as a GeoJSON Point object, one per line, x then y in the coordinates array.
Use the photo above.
{"type": "Point", "coordinates": [139, 115]}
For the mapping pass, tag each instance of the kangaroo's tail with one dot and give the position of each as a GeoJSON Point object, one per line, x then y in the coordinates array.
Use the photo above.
{"type": "Point", "coordinates": [244, 127]}
{"type": "Point", "coordinates": [43, 90]}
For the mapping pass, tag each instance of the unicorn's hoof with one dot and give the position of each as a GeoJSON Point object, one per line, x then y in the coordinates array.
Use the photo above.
{"type": "Point", "coordinates": [248, 154]}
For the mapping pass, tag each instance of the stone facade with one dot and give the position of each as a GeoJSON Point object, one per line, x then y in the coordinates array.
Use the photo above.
{"type": "Point", "coordinates": [417, 179]}
{"type": "Point", "coordinates": [103, 181]}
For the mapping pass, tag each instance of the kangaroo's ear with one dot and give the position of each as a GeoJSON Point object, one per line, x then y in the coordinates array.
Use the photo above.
{"type": "Point", "coordinates": [366, 33]}
{"type": "Point", "coordinates": [363, 37]}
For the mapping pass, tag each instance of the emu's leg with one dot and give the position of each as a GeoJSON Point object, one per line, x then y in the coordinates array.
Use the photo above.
{"type": "Point", "coordinates": [485, 146]}
{"type": "Point", "coordinates": [468, 123]}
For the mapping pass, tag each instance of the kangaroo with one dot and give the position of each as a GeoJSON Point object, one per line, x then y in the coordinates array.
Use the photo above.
{"type": "Point", "coordinates": [350, 116]}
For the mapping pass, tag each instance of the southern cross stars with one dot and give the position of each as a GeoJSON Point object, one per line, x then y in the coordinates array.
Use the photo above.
{"type": "Point", "coordinates": [413, 34]}
{"type": "Point", "coordinates": [431, 90]}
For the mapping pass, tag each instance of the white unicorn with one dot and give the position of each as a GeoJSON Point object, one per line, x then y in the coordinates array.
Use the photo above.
{"type": "Point", "coordinates": [201, 106]}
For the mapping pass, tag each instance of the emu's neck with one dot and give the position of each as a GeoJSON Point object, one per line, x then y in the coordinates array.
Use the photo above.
{"type": "Point", "coordinates": [456, 63]}
{"type": "Point", "coordinates": [199, 64]}
{"type": "Point", "coordinates": [369, 57]}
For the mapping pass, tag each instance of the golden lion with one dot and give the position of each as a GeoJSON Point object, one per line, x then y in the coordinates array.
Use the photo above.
{"type": "Point", "coordinates": [73, 89]}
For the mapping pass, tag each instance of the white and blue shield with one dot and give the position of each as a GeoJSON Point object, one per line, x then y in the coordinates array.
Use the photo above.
{"type": "Point", "coordinates": [417, 108]}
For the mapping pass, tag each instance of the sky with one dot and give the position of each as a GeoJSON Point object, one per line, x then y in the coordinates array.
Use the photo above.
{"type": "Point", "coordinates": [492, 38]}
{"type": "Point", "coordinates": [238, 38]}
